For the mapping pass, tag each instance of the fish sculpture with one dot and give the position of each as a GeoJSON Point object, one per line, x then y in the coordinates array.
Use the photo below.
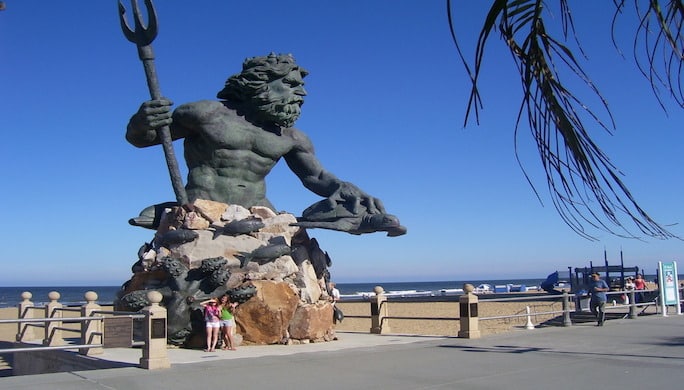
{"type": "Point", "coordinates": [177, 237]}
{"type": "Point", "coordinates": [264, 254]}
{"type": "Point", "coordinates": [237, 227]}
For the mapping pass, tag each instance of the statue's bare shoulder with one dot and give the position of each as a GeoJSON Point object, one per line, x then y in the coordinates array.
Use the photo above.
{"type": "Point", "coordinates": [300, 141]}
{"type": "Point", "coordinates": [203, 111]}
{"type": "Point", "coordinates": [203, 116]}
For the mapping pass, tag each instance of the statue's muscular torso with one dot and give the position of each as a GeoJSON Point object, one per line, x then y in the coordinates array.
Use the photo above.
{"type": "Point", "coordinates": [228, 157]}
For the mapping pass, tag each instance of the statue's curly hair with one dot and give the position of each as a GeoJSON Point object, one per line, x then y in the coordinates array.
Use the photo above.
{"type": "Point", "coordinates": [256, 73]}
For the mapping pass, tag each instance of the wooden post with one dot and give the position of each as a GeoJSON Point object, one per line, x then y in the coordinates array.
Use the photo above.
{"type": "Point", "coordinates": [53, 336]}
{"type": "Point", "coordinates": [154, 355]}
{"type": "Point", "coordinates": [468, 313]}
{"type": "Point", "coordinates": [24, 330]}
{"type": "Point", "coordinates": [91, 331]}
{"type": "Point", "coordinates": [378, 305]}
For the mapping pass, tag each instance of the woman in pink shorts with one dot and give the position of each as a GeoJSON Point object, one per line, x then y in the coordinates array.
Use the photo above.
{"type": "Point", "coordinates": [212, 321]}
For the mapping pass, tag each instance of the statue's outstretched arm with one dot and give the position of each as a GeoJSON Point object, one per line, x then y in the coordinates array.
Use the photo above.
{"type": "Point", "coordinates": [303, 162]}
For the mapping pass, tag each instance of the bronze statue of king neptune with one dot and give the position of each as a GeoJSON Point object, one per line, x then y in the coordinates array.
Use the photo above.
{"type": "Point", "coordinates": [233, 143]}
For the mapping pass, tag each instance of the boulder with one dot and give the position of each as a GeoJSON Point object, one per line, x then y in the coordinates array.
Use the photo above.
{"type": "Point", "coordinates": [207, 246]}
{"type": "Point", "coordinates": [195, 221]}
{"type": "Point", "coordinates": [309, 286]}
{"type": "Point", "coordinates": [313, 322]}
{"type": "Point", "coordinates": [209, 209]}
{"type": "Point", "coordinates": [265, 318]}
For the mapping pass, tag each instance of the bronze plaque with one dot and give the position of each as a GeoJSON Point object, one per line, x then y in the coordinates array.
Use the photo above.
{"type": "Point", "coordinates": [158, 328]}
{"type": "Point", "coordinates": [463, 309]}
{"type": "Point", "coordinates": [473, 309]}
{"type": "Point", "coordinates": [118, 332]}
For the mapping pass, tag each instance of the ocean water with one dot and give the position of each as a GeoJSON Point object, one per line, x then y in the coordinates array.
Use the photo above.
{"type": "Point", "coordinates": [11, 296]}
{"type": "Point", "coordinates": [356, 288]}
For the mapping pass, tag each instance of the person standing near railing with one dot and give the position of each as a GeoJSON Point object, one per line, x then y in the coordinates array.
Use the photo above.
{"type": "Point", "coordinates": [639, 286]}
{"type": "Point", "coordinates": [334, 293]}
{"type": "Point", "coordinates": [598, 288]}
{"type": "Point", "coordinates": [629, 286]}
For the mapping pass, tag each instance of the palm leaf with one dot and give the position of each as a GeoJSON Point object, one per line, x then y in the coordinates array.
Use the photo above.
{"type": "Point", "coordinates": [586, 188]}
{"type": "Point", "coordinates": [660, 41]}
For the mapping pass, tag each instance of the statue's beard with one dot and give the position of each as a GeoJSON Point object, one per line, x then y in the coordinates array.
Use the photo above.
{"type": "Point", "coordinates": [282, 112]}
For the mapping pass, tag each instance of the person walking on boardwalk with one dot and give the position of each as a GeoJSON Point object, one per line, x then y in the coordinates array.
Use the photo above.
{"type": "Point", "coordinates": [598, 288]}
{"type": "Point", "coordinates": [639, 286]}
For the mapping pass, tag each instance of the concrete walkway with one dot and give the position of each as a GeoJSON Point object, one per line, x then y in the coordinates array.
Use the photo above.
{"type": "Point", "coordinates": [647, 352]}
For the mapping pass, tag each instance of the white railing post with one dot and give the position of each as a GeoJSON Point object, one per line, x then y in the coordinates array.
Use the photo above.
{"type": "Point", "coordinates": [529, 324]}
{"type": "Point", "coordinates": [53, 336]}
{"type": "Point", "coordinates": [632, 305]}
{"type": "Point", "coordinates": [24, 330]}
{"type": "Point", "coordinates": [567, 321]}
{"type": "Point", "coordinates": [91, 331]}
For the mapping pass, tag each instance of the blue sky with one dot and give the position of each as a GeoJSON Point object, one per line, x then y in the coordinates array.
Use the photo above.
{"type": "Point", "coordinates": [387, 97]}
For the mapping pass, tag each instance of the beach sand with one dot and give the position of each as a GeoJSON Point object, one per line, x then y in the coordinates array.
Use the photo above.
{"type": "Point", "coordinates": [446, 327]}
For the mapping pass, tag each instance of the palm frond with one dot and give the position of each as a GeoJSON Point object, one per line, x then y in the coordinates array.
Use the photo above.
{"type": "Point", "coordinates": [586, 188]}
{"type": "Point", "coordinates": [658, 45]}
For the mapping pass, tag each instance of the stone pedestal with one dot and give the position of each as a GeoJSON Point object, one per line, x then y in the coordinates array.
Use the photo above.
{"type": "Point", "coordinates": [468, 314]}
{"type": "Point", "coordinates": [379, 324]}
{"type": "Point", "coordinates": [25, 331]}
{"type": "Point", "coordinates": [91, 331]}
{"type": "Point", "coordinates": [53, 335]}
{"type": "Point", "coordinates": [255, 256]}
{"type": "Point", "coordinates": [154, 353]}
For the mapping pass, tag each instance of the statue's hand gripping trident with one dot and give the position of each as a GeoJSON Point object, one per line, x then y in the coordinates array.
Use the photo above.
{"type": "Point", "coordinates": [143, 37]}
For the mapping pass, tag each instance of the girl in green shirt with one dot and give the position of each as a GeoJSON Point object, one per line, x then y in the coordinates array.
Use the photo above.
{"type": "Point", "coordinates": [227, 322]}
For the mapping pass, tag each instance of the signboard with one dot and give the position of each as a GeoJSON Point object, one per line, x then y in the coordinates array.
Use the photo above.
{"type": "Point", "coordinates": [118, 332]}
{"type": "Point", "coordinates": [668, 284]}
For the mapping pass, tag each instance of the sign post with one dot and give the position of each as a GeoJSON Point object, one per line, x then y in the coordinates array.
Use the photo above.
{"type": "Point", "coordinates": [668, 286]}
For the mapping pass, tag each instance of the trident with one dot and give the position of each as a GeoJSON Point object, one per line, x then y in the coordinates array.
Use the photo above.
{"type": "Point", "coordinates": [143, 37]}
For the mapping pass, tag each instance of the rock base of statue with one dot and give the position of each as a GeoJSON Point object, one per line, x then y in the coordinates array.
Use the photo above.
{"type": "Point", "coordinates": [273, 270]}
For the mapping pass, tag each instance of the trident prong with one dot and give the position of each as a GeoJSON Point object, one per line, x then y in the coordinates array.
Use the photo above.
{"type": "Point", "coordinates": [141, 35]}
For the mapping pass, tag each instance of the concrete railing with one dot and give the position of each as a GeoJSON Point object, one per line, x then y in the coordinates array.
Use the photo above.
{"type": "Point", "coordinates": [93, 332]}
{"type": "Point", "coordinates": [469, 316]}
